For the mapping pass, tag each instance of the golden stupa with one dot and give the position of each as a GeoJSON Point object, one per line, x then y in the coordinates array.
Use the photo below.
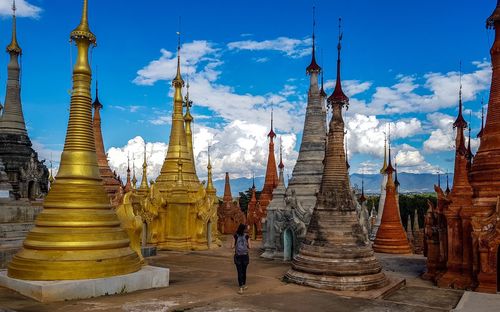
{"type": "Point", "coordinates": [77, 235]}
{"type": "Point", "coordinates": [177, 211]}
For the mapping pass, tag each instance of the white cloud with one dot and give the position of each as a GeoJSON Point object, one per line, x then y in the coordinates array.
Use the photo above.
{"type": "Point", "coordinates": [262, 60]}
{"type": "Point", "coordinates": [291, 47]}
{"type": "Point", "coordinates": [239, 148]}
{"type": "Point", "coordinates": [410, 94]}
{"type": "Point", "coordinates": [365, 134]}
{"type": "Point", "coordinates": [164, 68]}
{"type": "Point", "coordinates": [23, 9]}
{"type": "Point", "coordinates": [199, 61]}
{"type": "Point", "coordinates": [130, 108]}
{"type": "Point", "coordinates": [161, 120]}
{"type": "Point", "coordinates": [155, 155]}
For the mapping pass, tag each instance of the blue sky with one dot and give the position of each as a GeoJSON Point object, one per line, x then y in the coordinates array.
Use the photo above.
{"type": "Point", "coordinates": [400, 65]}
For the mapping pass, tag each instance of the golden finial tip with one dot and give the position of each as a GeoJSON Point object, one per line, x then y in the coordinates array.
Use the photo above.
{"type": "Point", "coordinates": [14, 47]}
{"type": "Point", "coordinates": [83, 30]}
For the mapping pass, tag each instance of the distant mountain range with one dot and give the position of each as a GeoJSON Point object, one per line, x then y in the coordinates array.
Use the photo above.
{"type": "Point", "coordinates": [410, 183]}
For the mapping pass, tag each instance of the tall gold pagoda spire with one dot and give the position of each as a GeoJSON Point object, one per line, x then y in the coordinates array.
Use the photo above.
{"type": "Point", "coordinates": [65, 243]}
{"type": "Point", "coordinates": [178, 145]}
{"type": "Point", "coordinates": [188, 120]}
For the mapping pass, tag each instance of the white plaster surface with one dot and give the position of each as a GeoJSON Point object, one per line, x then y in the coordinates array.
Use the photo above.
{"type": "Point", "coordinates": [48, 291]}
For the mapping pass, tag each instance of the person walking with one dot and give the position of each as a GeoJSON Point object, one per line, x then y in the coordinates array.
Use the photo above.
{"type": "Point", "coordinates": [241, 245]}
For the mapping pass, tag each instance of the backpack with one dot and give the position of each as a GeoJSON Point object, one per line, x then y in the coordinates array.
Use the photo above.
{"type": "Point", "coordinates": [241, 246]}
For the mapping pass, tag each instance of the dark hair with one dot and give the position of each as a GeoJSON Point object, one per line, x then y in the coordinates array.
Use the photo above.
{"type": "Point", "coordinates": [241, 229]}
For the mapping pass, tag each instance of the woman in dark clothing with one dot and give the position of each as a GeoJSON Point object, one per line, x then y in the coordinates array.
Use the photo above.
{"type": "Point", "coordinates": [241, 245]}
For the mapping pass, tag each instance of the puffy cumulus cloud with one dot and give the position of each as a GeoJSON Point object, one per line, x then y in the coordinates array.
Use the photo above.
{"type": "Point", "coordinates": [410, 160]}
{"type": "Point", "coordinates": [199, 61]}
{"type": "Point", "coordinates": [238, 148]}
{"type": "Point", "coordinates": [165, 67]}
{"type": "Point", "coordinates": [369, 167]}
{"type": "Point", "coordinates": [294, 48]}
{"type": "Point", "coordinates": [118, 157]}
{"type": "Point", "coordinates": [410, 94]}
{"type": "Point", "coordinates": [365, 134]}
{"type": "Point", "coordinates": [442, 137]}
{"type": "Point", "coordinates": [23, 9]}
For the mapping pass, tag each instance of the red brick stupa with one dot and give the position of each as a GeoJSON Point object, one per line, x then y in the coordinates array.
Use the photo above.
{"type": "Point", "coordinates": [391, 237]}
{"type": "Point", "coordinates": [485, 181]}
{"type": "Point", "coordinates": [458, 214]}
{"type": "Point", "coordinates": [257, 210]}
{"type": "Point", "coordinates": [229, 213]}
{"type": "Point", "coordinates": [111, 182]}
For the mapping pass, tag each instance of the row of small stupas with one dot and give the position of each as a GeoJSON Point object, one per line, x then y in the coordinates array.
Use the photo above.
{"type": "Point", "coordinates": [24, 180]}
{"type": "Point", "coordinates": [463, 231]}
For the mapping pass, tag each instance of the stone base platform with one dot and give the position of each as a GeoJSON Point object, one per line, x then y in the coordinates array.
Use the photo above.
{"type": "Point", "coordinates": [48, 291]}
{"type": "Point", "coordinates": [394, 283]}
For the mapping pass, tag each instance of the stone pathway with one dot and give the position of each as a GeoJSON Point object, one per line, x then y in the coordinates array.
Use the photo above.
{"type": "Point", "coordinates": [206, 281]}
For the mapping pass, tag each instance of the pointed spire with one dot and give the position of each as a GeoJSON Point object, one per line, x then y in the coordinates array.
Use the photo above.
{"type": "Point", "coordinates": [469, 150]}
{"type": "Point", "coordinates": [12, 118]}
{"type": "Point", "coordinates": [144, 181]}
{"type": "Point", "coordinates": [460, 121]}
{"type": "Point", "coordinates": [97, 104]}
{"type": "Point", "coordinates": [482, 119]}
{"type": "Point", "coordinates": [188, 118]}
{"type": "Point", "coordinates": [271, 133]}
{"type": "Point", "coordinates": [228, 197]}
{"type": "Point", "coordinates": [389, 169]}
{"type": "Point", "coordinates": [210, 183]}
{"type": "Point", "coordinates": [313, 67]}
{"type": "Point", "coordinates": [362, 198]}
{"type": "Point", "coordinates": [13, 47]}
{"type": "Point", "coordinates": [338, 95]}
{"type": "Point", "coordinates": [51, 176]}
{"type": "Point", "coordinates": [439, 179]}
{"type": "Point", "coordinates": [134, 178]}
{"type": "Point", "coordinates": [253, 179]}
{"type": "Point", "coordinates": [384, 166]}
{"type": "Point", "coordinates": [83, 30]}
{"type": "Point", "coordinates": [281, 166]}
{"type": "Point", "coordinates": [178, 82]}
{"type": "Point", "coordinates": [128, 183]}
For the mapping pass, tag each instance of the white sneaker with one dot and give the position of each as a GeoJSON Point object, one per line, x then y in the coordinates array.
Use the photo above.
{"type": "Point", "coordinates": [245, 287]}
{"type": "Point", "coordinates": [240, 292]}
